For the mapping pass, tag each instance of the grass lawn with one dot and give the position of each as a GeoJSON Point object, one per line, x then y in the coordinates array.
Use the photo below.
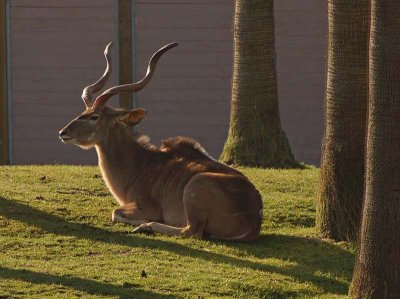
{"type": "Point", "coordinates": [57, 240]}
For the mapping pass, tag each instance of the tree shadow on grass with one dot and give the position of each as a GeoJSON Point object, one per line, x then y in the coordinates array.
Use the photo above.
{"type": "Point", "coordinates": [309, 252]}
{"type": "Point", "coordinates": [91, 287]}
{"type": "Point", "coordinates": [267, 246]}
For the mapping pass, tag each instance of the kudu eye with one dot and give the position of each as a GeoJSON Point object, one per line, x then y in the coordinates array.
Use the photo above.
{"type": "Point", "coordinates": [94, 117]}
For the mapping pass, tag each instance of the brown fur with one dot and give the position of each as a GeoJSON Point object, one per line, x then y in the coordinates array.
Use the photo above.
{"type": "Point", "coordinates": [177, 189]}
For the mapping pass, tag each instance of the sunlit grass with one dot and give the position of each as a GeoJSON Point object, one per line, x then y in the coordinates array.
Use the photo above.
{"type": "Point", "coordinates": [57, 240]}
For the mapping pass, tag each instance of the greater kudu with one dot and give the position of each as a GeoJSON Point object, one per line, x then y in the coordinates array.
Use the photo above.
{"type": "Point", "coordinates": [175, 189]}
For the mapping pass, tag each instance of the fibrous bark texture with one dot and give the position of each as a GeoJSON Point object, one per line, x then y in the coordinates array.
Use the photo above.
{"type": "Point", "coordinates": [342, 163]}
{"type": "Point", "coordinates": [377, 271]}
{"type": "Point", "coordinates": [255, 134]}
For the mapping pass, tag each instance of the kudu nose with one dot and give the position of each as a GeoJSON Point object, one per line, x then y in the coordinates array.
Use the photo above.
{"type": "Point", "coordinates": [62, 133]}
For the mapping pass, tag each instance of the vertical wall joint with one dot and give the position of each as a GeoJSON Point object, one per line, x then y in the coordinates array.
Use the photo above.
{"type": "Point", "coordinates": [125, 49]}
{"type": "Point", "coordinates": [4, 138]}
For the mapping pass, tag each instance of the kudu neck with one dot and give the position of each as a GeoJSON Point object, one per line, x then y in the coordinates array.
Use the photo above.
{"type": "Point", "coordinates": [122, 159]}
{"type": "Point", "coordinates": [122, 147]}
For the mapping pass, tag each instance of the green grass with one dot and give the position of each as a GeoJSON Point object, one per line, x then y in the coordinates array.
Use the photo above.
{"type": "Point", "coordinates": [57, 240]}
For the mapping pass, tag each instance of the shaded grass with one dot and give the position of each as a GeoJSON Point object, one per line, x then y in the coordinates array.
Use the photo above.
{"type": "Point", "coordinates": [57, 240]}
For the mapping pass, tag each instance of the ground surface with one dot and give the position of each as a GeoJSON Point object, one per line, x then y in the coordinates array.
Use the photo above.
{"type": "Point", "coordinates": [57, 240]}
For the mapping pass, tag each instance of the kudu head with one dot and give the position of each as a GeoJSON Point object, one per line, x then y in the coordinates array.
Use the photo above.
{"type": "Point", "coordinates": [93, 124]}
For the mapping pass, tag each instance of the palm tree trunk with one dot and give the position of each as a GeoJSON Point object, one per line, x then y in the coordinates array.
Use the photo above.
{"type": "Point", "coordinates": [255, 134]}
{"type": "Point", "coordinates": [342, 163]}
{"type": "Point", "coordinates": [377, 271]}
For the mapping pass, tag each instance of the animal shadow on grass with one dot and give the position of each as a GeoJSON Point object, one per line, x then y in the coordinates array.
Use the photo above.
{"type": "Point", "coordinates": [80, 284]}
{"type": "Point", "coordinates": [275, 246]}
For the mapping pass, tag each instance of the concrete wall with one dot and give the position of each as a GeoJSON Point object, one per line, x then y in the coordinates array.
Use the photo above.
{"type": "Point", "coordinates": [56, 49]}
{"type": "Point", "coordinates": [300, 29]}
{"type": "Point", "coordinates": [190, 94]}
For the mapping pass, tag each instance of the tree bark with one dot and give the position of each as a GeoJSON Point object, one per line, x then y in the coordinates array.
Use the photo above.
{"type": "Point", "coordinates": [342, 163]}
{"type": "Point", "coordinates": [377, 271]}
{"type": "Point", "coordinates": [255, 135]}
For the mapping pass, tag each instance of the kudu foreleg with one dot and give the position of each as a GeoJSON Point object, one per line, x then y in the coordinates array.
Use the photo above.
{"type": "Point", "coordinates": [165, 229]}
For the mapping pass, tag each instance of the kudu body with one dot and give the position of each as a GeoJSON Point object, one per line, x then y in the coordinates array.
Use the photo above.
{"type": "Point", "coordinates": [176, 189]}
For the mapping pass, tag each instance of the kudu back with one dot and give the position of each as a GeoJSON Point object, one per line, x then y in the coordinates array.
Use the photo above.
{"type": "Point", "coordinates": [175, 189]}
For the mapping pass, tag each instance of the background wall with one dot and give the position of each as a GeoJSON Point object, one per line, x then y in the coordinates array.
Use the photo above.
{"type": "Point", "coordinates": [301, 36]}
{"type": "Point", "coordinates": [56, 49]}
{"type": "Point", "coordinates": [190, 94]}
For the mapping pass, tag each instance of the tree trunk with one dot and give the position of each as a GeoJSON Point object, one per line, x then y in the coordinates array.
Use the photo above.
{"type": "Point", "coordinates": [342, 163]}
{"type": "Point", "coordinates": [377, 271]}
{"type": "Point", "coordinates": [255, 134]}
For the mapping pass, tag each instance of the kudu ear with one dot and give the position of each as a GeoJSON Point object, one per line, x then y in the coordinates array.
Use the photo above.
{"type": "Point", "coordinates": [132, 117]}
